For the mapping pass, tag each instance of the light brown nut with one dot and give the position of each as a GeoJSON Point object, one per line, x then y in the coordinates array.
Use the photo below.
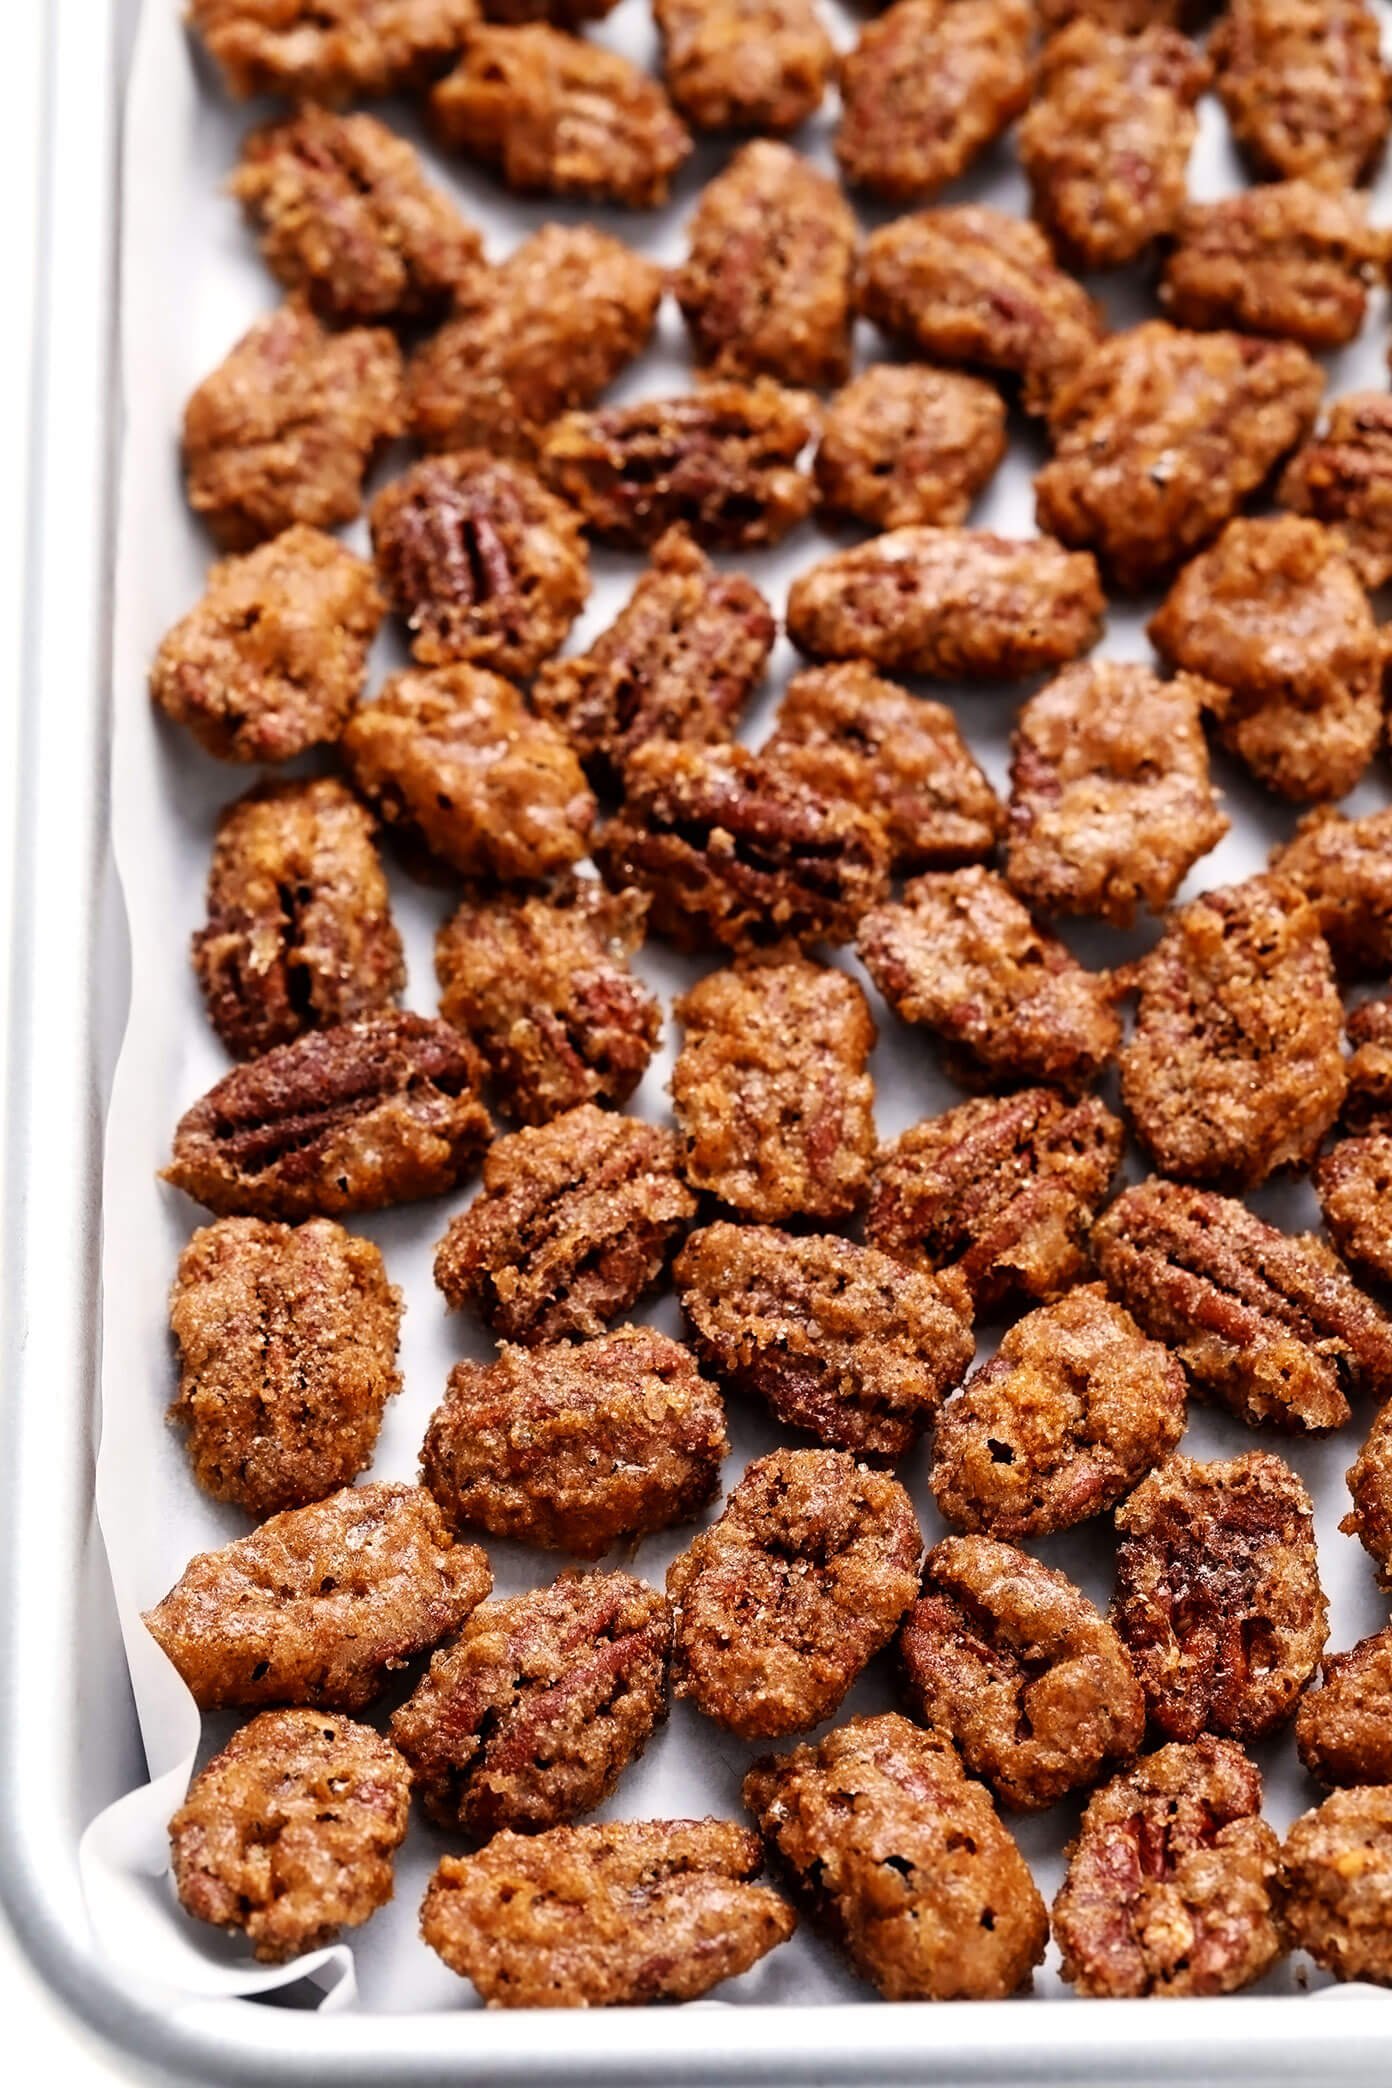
{"type": "Point", "coordinates": [1162, 436]}
{"type": "Point", "coordinates": [1274, 618]}
{"type": "Point", "coordinates": [1369, 1103]}
{"type": "Point", "coordinates": [960, 955]}
{"type": "Point", "coordinates": [543, 989]}
{"type": "Point", "coordinates": [575, 1221]}
{"type": "Point", "coordinates": [1287, 258]}
{"type": "Point", "coordinates": [953, 604]}
{"type": "Point", "coordinates": [355, 1118]}
{"type": "Point", "coordinates": [1218, 1596]}
{"type": "Point", "coordinates": [929, 85]}
{"type": "Point", "coordinates": [781, 1603]}
{"type": "Point", "coordinates": [1336, 1884]}
{"type": "Point", "coordinates": [1354, 1184]}
{"type": "Point", "coordinates": [904, 444]}
{"type": "Point", "coordinates": [481, 562]}
{"type": "Point", "coordinates": [549, 328]}
{"type": "Point", "coordinates": [534, 1712]}
{"type": "Point", "coordinates": [759, 65]}
{"type": "Point", "coordinates": [554, 115]}
{"type": "Point", "coordinates": [330, 50]}
{"type": "Point", "coordinates": [1107, 137]}
{"type": "Point", "coordinates": [287, 1339]}
{"type": "Point", "coordinates": [455, 765]}
{"type": "Point", "coordinates": [1344, 1729]}
{"type": "Point", "coordinates": [1000, 1192]}
{"type": "Point", "coordinates": [1344, 868]}
{"type": "Point", "coordinates": [1171, 1879]}
{"type": "Point", "coordinates": [1343, 478]}
{"type": "Point", "coordinates": [1071, 1412]}
{"type": "Point", "coordinates": [772, 1095]}
{"type": "Point", "coordinates": [289, 1832]}
{"type": "Point", "coordinates": [607, 1916]}
{"type": "Point", "coordinates": [1305, 87]}
{"type": "Point", "coordinates": [736, 853]}
{"type": "Point", "coordinates": [1014, 1664]}
{"type": "Point", "coordinates": [1235, 1067]}
{"type": "Point", "coordinates": [901, 1858]}
{"type": "Point", "coordinates": [579, 1446]}
{"type": "Point", "coordinates": [837, 1339]}
{"type": "Point", "coordinates": [1370, 1483]}
{"type": "Point", "coordinates": [320, 1605]}
{"type": "Point", "coordinates": [284, 429]}
{"type": "Point", "coordinates": [973, 285]}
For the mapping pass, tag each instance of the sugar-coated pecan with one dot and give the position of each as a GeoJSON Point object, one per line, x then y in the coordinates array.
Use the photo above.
{"type": "Point", "coordinates": [1286, 258]}
{"type": "Point", "coordinates": [330, 50]}
{"type": "Point", "coordinates": [760, 65]}
{"type": "Point", "coordinates": [1343, 477]}
{"type": "Point", "coordinates": [1369, 1103]}
{"type": "Point", "coordinates": [1354, 1184]}
{"type": "Point", "coordinates": [1370, 1483]}
{"type": "Point", "coordinates": [904, 444]}
{"type": "Point", "coordinates": [1130, 17]}
{"type": "Point", "coordinates": [1336, 1884]}
{"type": "Point", "coordinates": [1305, 87]}
{"type": "Point", "coordinates": [1344, 1729]}
{"type": "Point", "coordinates": [1344, 868]}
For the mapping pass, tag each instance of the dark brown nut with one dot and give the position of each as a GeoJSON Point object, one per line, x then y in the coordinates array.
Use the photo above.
{"type": "Point", "coordinates": [1344, 1730]}
{"type": "Point", "coordinates": [483, 564]}
{"type": "Point", "coordinates": [1162, 436]}
{"type": "Point", "coordinates": [975, 286]}
{"type": "Point", "coordinates": [1336, 1884]}
{"type": "Point", "coordinates": [1354, 1183]}
{"type": "Point", "coordinates": [1171, 1879]}
{"type": "Point", "coordinates": [355, 1118]}
{"type": "Point", "coordinates": [1305, 87]}
{"type": "Point", "coordinates": [1289, 259]}
{"type": "Point", "coordinates": [456, 766]}
{"type": "Point", "coordinates": [1235, 1066]}
{"type": "Point", "coordinates": [771, 1091]}
{"type": "Point", "coordinates": [543, 989]}
{"type": "Point", "coordinates": [271, 661]}
{"type": "Point", "coordinates": [285, 427]}
{"type": "Point", "coordinates": [579, 1446]}
{"type": "Point", "coordinates": [766, 286]}
{"type": "Point", "coordinates": [679, 662]}
{"type": "Point", "coordinates": [1012, 1661]}
{"type": "Point", "coordinates": [760, 65]}
{"type": "Point", "coordinates": [1343, 478]}
{"type": "Point", "coordinates": [550, 328]}
{"type": "Point", "coordinates": [1274, 617]}
{"type": "Point", "coordinates": [1370, 1483]}
{"type": "Point", "coordinates": [566, 14]}
{"type": "Point", "coordinates": [287, 1340]}
{"type": "Point", "coordinates": [1071, 1412]}
{"type": "Point", "coordinates": [320, 1605]}
{"type": "Point", "coordinates": [1106, 139]}
{"type": "Point", "coordinates": [901, 1858]}
{"type": "Point", "coordinates": [721, 462]}
{"type": "Point", "coordinates": [1369, 1104]}
{"type": "Point", "coordinates": [534, 1712]}
{"type": "Point", "coordinates": [904, 444]}
{"type": "Point", "coordinates": [330, 50]}
{"type": "Point", "coordinates": [1000, 1191]}
{"type": "Point", "coordinates": [1128, 17]}
{"type": "Point", "coordinates": [781, 1603]}
{"type": "Point", "coordinates": [960, 954]}
{"type": "Point", "coordinates": [607, 1916]}
{"type": "Point", "coordinates": [929, 85]}
{"type": "Point", "coordinates": [1344, 868]}
{"type": "Point", "coordinates": [556, 116]}
{"type": "Point", "coordinates": [290, 1831]}
{"type": "Point", "coordinates": [837, 1339]}
{"type": "Point", "coordinates": [736, 853]}
{"type": "Point", "coordinates": [575, 1221]}
{"type": "Point", "coordinates": [1218, 1596]}
{"type": "Point", "coordinates": [851, 736]}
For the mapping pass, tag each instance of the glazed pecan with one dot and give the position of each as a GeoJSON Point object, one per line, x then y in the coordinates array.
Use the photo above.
{"type": "Point", "coordinates": [904, 444]}
{"type": "Point", "coordinates": [1344, 1729]}
{"type": "Point", "coordinates": [759, 65]}
{"type": "Point", "coordinates": [1286, 258]}
{"type": "Point", "coordinates": [330, 50]}
{"type": "Point", "coordinates": [1369, 1103]}
{"type": "Point", "coordinates": [1370, 1483]}
{"type": "Point", "coordinates": [1343, 477]}
{"type": "Point", "coordinates": [1128, 16]}
{"type": "Point", "coordinates": [1336, 1879]}
{"type": "Point", "coordinates": [1354, 1183]}
{"type": "Point", "coordinates": [1305, 87]}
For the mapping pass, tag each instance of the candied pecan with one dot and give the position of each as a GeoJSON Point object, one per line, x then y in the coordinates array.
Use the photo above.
{"type": "Point", "coordinates": [481, 561]}
{"type": "Point", "coordinates": [1343, 477]}
{"type": "Point", "coordinates": [1217, 1596]}
{"type": "Point", "coordinates": [566, 14]}
{"type": "Point", "coordinates": [1370, 1483]}
{"type": "Point", "coordinates": [904, 444]}
{"type": "Point", "coordinates": [534, 1712]}
{"type": "Point", "coordinates": [770, 1088]}
{"type": "Point", "coordinates": [1369, 1103]}
{"type": "Point", "coordinates": [370, 1113]}
{"type": "Point", "coordinates": [1288, 259]}
{"type": "Point", "coordinates": [837, 1339]}
{"type": "Point", "coordinates": [758, 65]}
{"type": "Point", "coordinates": [1000, 1191]}
{"type": "Point", "coordinates": [1336, 1884]}
{"type": "Point", "coordinates": [285, 427]}
{"type": "Point", "coordinates": [607, 1916]}
{"type": "Point", "coordinates": [1160, 438]}
{"type": "Point", "coordinates": [320, 1605]}
{"type": "Point", "coordinates": [736, 852]}
{"type": "Point", "coordinates": [543, 989]}
{"type": "Point", "coordinates": [1071, 1412]}
{"type": "Point", "coordinates": [782, 1602]}
{"type": "Point", "coordinates": [1354, 1183]}
{"type": "Point", "coordinates": [1012, 1661]}
{"type": "Point", "coordinates": [1128, 17]}
{"type": "Point", "coordinates": [457, 766]}
{"type": "Point", "coordinates": [721, 462]}
{"type": "Point", "coordinates": [974, 285]}
{"type": "Point", "coordinates": [549, 328]}
{"type": "Point", "coordinates": [289, 1832]}
{"type": "Point", "coordinates": [1344, 868]}
{"type": "Point", "coordinates": [901, 1858]}
{"type": "Point", "coordinates": [1344, 1729]}
{"type": "Point", "coordinates": [287, 1338]}
{"type": "Point", "coordinates": [575, 1220]}
{"type": "Point", "coordinates": [579, 1445]}
{"type": "Point", "coordinates": [1273, 616]}
{"type": "Point", "coordinates": [679, 661]}
{"type": "Point", "coordinates": [1305, 87]}
{"type": "Point", "coordinates": [556, 116]}
{"type": "Point", "coordinates": [928, 87]}
{"type": "Point", "coordinates": [1170, 1885]}
{"type": "Point", "coordinates": [330, 50]}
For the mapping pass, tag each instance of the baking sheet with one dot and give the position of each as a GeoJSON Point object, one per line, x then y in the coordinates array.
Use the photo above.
{"type": "Point", "coordinates": [192, 282]}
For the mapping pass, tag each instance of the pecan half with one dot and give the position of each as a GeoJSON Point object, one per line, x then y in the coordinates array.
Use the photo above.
{"type": "Point", "coordinates": [1286, 258]}
{"type": "Point", "coordinates": [1343, 478]}
{"type": "Point", "coordinates": [1305, 87]}
{"type": "Point", "coordinates": [759, 65]}
{"type": "Point", "coordinates": [1336, 1878]}
{"type": "Point", "coordinates": [324, 50]}
{"type": "Point", "coordinates": [905, 444]}
{"type": "Point", "coordinates": [1344, 1729]}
